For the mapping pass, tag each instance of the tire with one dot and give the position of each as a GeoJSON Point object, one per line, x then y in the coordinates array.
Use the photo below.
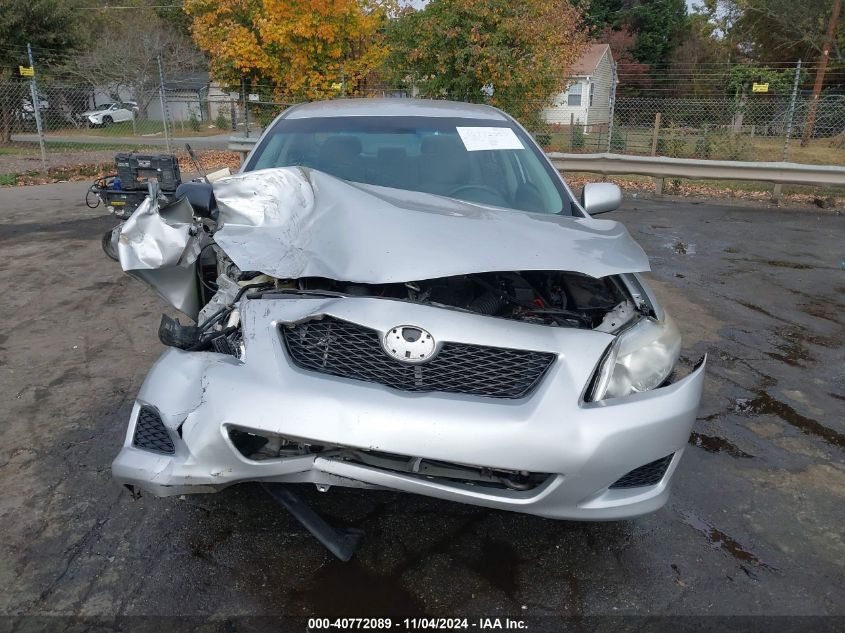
{"type": "Point", "coordinates": [107, 121]}
{"type": "Point", "coordinates": [108, 244]}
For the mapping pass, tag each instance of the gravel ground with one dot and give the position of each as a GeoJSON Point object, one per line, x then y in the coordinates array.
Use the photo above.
{"type": "Point", "coordinates": [755, 524]}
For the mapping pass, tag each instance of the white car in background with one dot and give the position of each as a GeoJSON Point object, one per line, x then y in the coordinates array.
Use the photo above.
{"type": "Point", "coordinates": [108, 113]}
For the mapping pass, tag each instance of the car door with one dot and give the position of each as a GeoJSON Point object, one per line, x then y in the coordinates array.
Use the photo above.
{"type": "Point", "coordinates": [120, 113]}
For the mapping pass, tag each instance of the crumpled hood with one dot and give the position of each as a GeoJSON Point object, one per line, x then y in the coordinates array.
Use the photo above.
{"type": "Point", "coordinates": [294, 222]}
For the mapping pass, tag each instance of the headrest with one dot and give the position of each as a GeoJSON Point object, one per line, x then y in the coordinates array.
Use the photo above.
{"type": "Point", "coordinates": [441, 144]}
{"type": "Point", "coordinates": [341, 147]}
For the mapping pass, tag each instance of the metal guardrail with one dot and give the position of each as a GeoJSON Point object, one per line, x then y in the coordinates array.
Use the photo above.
{"type": "Point", "coordinates": [663, 167]}
{"type": "Point", "coordinates": [660, 167]}
{"type": "Point", "coordinates": [242, 144]}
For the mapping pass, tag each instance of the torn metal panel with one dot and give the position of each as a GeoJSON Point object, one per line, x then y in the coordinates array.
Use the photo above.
{"type": "Point", "coordinates": [294, 222]}
{"type": "Point", "coordinates": [157, 238]}
{"type": "Point", "coordinates": [159, 247]}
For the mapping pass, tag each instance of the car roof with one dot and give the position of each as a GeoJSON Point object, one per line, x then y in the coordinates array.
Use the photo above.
{"type": "Point", "coordinates": [394, 107]}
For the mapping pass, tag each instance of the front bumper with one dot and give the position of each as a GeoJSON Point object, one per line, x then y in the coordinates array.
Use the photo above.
{"type": "Point", "coordinates": [585, 447]}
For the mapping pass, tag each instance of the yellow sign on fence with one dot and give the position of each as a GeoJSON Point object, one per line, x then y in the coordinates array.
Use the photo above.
{"type": "Point", "coordinates": [760, 87]}
{"type": "Point", "coordinates": [26, 71]}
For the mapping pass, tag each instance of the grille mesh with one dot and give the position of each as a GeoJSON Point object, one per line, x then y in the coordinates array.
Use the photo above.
{"type": "Point", "coordinates": [336, 347]}
{"type": "Point", "coordinates": [150, 433]}
{"type": "Point", "coordinates": [647, 475]}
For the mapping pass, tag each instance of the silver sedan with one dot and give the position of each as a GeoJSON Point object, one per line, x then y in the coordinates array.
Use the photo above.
{"type": "Point", "coordinates": [406, 295]}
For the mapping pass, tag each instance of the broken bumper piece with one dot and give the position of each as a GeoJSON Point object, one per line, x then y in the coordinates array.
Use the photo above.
{"type": "Point", "coordinates": [547, 453]}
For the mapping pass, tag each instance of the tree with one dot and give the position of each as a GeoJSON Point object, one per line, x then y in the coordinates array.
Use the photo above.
{"type": "Point", "coordinates": [783, 30]}
{"type": "Point", "coordinates": [658, 25]}
{"type": "Point", "coordinates": [602, 15]}
{"type": "Point", "coordinates": [306, 49]}
{"type": "Point", "coordinates": [124, 57]}
{"type": "Point", "coordinates": [694, 65]}
{"type": "Point", "coordinates": [516, 55]}
{"type": "Point", "coordinates": [50, 27]}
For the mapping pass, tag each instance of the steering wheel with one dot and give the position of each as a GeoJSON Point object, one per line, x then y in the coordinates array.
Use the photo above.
{"type": "Point", "coordinates": [488, 195]}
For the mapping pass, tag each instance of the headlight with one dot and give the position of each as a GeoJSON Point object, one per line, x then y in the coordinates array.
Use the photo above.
{"type": "Point", "coordinates": [640, 359]}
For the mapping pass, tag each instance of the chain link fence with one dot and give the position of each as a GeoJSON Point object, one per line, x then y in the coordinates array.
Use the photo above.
{"type": "Point", "coordinates": [704, 129]}
{"type": "Point", "coordinates": [78, 126]}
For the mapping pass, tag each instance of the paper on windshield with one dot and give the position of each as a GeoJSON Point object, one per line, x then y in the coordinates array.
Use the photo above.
{"type": "Point", "coordinates": [486, 138]}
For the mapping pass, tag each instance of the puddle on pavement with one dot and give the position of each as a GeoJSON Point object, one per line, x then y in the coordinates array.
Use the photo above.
{"type": "Point", "coordinates": [349, 590]}
{"type": "Point", "coordinates": [723, 542]}
{"type": "Point", "coordinates": [82, 228]}
{"type": "Point", "coordinates": [757, 308]}
{"type": "Point", "coordinates": [715, 444]}
{"type": "Point", "coordinates": [498, 565]}
{"type": "Point", "coordinates": [766, 404]}
{"type": "Point", "coordinates": [780, 263]}
{"type": "Point", "coordinates": [352, 589]}
{"type": "Point", "coordinates": [792, 348]}
{"type": "Point", "coordinates": [828, 309]}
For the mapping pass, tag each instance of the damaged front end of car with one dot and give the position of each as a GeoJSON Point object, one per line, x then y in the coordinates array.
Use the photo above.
{"type": "Point", "coordinates": [360, 336]}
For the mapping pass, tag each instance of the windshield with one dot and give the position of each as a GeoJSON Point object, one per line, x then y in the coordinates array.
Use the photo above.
{"type": "Point", "coordinates": [102, 106]}
{"type": "Point", "coordinates": [476, 160]}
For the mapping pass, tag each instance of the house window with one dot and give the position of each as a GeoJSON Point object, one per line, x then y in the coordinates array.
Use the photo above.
{"type": "Point", "coordinates": [574, 95]}
{"type": "Point", "coordinates": [592, 86]}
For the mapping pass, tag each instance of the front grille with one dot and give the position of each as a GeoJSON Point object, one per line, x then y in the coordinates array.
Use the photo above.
{"type": "Point", "coordinates": [340, 348]}
{"type": "Point", "coordinates": [647, 475]}
{"type": "Point", "coordinates": [150, 433]}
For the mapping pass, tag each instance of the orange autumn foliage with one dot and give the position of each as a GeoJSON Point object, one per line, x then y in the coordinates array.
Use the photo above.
{"type": "Point", "coordinates": [304, 49]}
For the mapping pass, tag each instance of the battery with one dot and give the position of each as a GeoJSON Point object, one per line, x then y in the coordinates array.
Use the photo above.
{"type": "Point", "coordinates": [135, 171]}
{"type": "Point", "coordinates": [122, 203]}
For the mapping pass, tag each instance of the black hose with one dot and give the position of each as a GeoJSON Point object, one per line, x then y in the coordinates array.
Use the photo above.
{"type": "Point", "coordinates": [203, 343]}
{"type": "Point", "coordinates": [487, 303]}
{"type": "Point", "coordinates": [92, 189]}
{"type": "Point", "coordinates": [228, 307]}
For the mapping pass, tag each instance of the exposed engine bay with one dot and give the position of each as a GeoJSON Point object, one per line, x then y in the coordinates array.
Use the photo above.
{"type": "Point", "coordinates": [550, 298]}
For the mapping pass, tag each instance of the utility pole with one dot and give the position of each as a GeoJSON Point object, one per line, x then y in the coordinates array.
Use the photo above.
{"type": "Point", "coordinates": [810, 122]}
{"type": "Point", "coordinates": [791, 114]}
{"type": "Point", "coordinates": [161, 97]}
{"type": "Point", "coordinates": [36, 110]}
{"type": "Point", "coordinates": [612, 104]}
{"type": "Point", "coordinates": [246, 109]}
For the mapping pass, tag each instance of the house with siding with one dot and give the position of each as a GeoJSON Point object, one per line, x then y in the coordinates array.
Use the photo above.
{"type": "Point", "coordinates": [587, 97]}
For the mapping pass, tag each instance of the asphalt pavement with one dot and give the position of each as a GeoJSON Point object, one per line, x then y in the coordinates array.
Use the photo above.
{"type": "Point", "coordinates": [755, 524]}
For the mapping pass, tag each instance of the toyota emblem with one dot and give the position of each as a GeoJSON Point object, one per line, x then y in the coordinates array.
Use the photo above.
{"type": "Point", "coordinates": [409, 344]}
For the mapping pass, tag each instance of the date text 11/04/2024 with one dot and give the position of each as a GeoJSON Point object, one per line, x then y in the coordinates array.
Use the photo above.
{"type": "Point", "coordinates": [416, 624]}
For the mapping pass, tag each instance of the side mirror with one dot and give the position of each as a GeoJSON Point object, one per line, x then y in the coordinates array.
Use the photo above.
{"type": "Point", "coordinates": [600, 197]}
{"type": "Point", "coordinates": [201, 197]}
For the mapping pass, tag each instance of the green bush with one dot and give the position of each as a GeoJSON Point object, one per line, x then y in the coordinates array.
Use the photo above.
{"type": "Point", "coordinates": [263, 115]}
{"type": "Point", "coordinates": [618, 139]}
{"type": "Point", "coordinates": [222, 121]}
{"type": "Point", "coordinates": [671, 143]}
{"type": "Point", "coordinates": [578, 137]}
{"type": "Point", "coordinates": [8, 179]}
{"type": "Point", "coordinates": [732, 147]}
{"type": "Point", "coordinates": [544, 139]}
{"type": "Point", "coordinates": [194, 122]}
{"type": "Point", "coordinates": [704, 147]}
